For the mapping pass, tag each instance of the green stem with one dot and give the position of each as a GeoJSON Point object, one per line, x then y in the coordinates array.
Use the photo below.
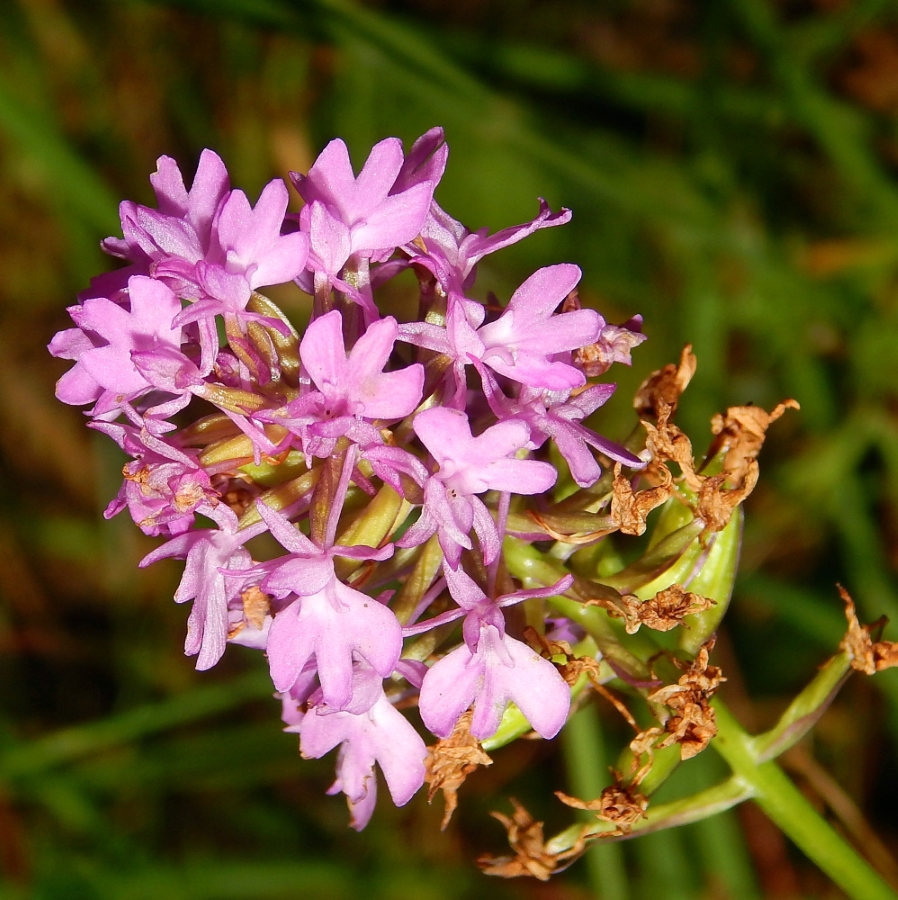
{"type": "Point", "coordinates": [794, 815]}
{"type": "Point", "coordinates": [804, 711]}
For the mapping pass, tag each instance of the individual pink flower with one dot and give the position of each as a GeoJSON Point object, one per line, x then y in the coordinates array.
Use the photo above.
{"type": "Point", "coordinates": [524, 343]}
{"type": "Point", "coordinates": [107, 335]}
{"type": "Point", "coordinates": [178, 233]}
{"type": "Point", "coordinates": [362, 215]}
{"type": "Point", "coordinates": [452, 252]}
{"type": "Point", "coordinates": [558, 415]}
{"type": "Point", "coordinates": [247, 250]}
{"type": "Point", "coordinates": [164, 486]}
{"type": "Point", "coordinates": [209, 244]}
{"type": "Point", "coordinates": [380, 735]}
{"type": "Point", "coordinates": [491, 670]}
{"type": "Point", "coordinates": [521, 344]}
{"type": "Point", "coordinates": [352, 389]}
{"type": "Point", "coordinates": [327, 620]}
{"type": "Point", "coordinates": [215, 562]}
{"type": "Point", "coordinates": [469, 466]}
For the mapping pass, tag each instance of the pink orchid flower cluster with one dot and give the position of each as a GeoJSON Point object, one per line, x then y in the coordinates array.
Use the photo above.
{"type": "Point", "coordinates": [382, 457]}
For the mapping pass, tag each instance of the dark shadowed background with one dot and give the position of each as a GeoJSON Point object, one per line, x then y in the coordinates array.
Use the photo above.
{"type": "Point", "coordinates": [732, 169]}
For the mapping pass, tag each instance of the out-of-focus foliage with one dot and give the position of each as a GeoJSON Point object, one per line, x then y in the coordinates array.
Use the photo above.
{"type": "Point", "coordinates": [732, 171]}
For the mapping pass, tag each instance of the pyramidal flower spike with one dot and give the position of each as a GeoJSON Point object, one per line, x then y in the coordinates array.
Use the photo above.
{"type": "Point", "coordinates": [407, 474]}
{"type": "Point", "coordinates": [239, 425]}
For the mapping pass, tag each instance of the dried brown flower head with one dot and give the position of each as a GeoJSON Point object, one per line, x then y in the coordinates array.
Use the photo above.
{"type": "Point", "coordinates": [692, 724]}
{"type": "Point", "coordinates": [450, 761]}
{"type": "Point", "coordinates": [525, 835]}
{"type": "Point", "coordinates": [740, 434]}
{"type": "Point", "coordinates": [620, 805]}
{"type": "Point", "coordinates": [867, 656]}
{"type": "Point", "coordinates": [629, 508]}
{"type": "Point", "coordinates": [662, 389]}
{"type": "Point", "coordinates": [664, 611]}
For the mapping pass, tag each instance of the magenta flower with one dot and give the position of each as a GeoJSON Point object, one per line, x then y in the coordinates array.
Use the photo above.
{"type": "Point", "coordinates": [327, 619]}
{"type": "Point", "coordinates": [164, 486]}
{"type": "Point", "coordinates": [522, 342]}
{"type": "Point", "coordinates": [353, 390]}
{"type": "Point", "coordinates": [452, 252]}
{"type": "Point", "coordinates": [210, 241]}
{"type": "Point", "coordinates": [380, 735]}
{"type": "Point", "coordinates": [355, 384]}
{"type": "Point", "coordinates": [336, 624]}
{"type": "Point", "coordinates": [216, 559]}
{"type": "Point", "coordinates": [558, 415]}
{"type": "Point", "coordinates": [363, 215]}
{"type": "Point", "coordinates": [179, 232]}
{"type": "Point", "coordinates": [525, 341]}
{"type": "Point", "coordinates": [248, 251]}
{"type": "Point", "coordinates": [209, 245]}
{"type": "Point", "coordinates": [107, 334]}
{"type": "Point", "coordinates": [491, 670]}
{"type": "Point", "coordinates": [468, 466]}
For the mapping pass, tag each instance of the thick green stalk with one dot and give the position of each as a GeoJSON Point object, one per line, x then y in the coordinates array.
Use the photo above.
{"type": "Point", "coordinates": [794, 815]}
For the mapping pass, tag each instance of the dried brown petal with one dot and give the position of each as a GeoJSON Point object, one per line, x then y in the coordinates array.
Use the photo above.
{"type": "Point", "coordinates": [669, 607]}
{"type": "Point", "coordinates": [667, 443]}
{"type": "Point", "coordinates": [693, 723]}
{"type": "Point", "coordinates": [576, 666]}
{"type": "Point", "coordinates": [693, 729]}
{"type": "Point", "coordinates": [643, 745]}
{"type": "Point", "coordinates": [625, 607]}
{"type": "Point", "coordinates": [740, 434]}
{"type": "Point", "coordinates": [450, 761]}
{"type": "Point", "coordinates": [662, 612]}
{"type": "Point", "coordinates": [580, 665]}
{"type": "Point", "coordinates": [716, 502]}
{"type": "Point", "coordinates": [256, 606]}
{"type": "Point", "coordinates": [571, 303]}
{"type": "Point", "coordinates": [620, 805]}
{"type": "Point", "coordinates": [525, 835]}
{"type": "Point", "coordinates": [630, 508]}
{"type": "Point", "coordinates": [662, 389]}
{"type": "Point", "coordinates": [867, 656]}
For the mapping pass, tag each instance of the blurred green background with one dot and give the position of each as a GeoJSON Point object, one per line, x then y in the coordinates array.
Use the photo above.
{"type": "Point", "coordinates": [732, 171]}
